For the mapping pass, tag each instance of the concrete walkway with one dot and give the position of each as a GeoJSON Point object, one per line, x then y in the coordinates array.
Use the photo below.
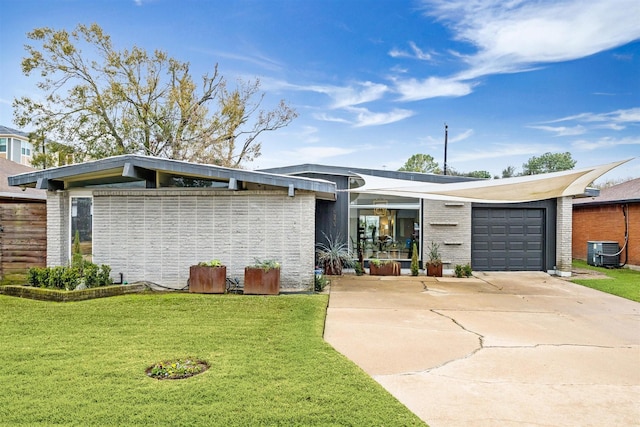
{"type": "Point", "coordinates": [499, 349]}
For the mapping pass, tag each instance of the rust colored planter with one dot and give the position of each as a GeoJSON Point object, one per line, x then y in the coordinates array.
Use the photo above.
{"type": "Point", "coordinates": [434, 270]}
{"type": "Point", "coordinates": [207, 280]}
{"type": "Point", "coordinates": [258, 281]}
{"type": "Point", "coordinates": [386, 269]}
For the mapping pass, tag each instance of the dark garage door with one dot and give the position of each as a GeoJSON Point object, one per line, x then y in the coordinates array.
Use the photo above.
{"type": "Point", "coordinates": [506, 239]}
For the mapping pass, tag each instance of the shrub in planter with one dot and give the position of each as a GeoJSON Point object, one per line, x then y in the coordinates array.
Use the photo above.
{"type": "Point", "coordinates": [434, 264]}
{"type": "Point", "coordinates": [384, 268]}
{"type": "Point", "coordinates": [208, 277]}
{"type": "Point", "coordinates": [262, 278]}
{"type": "Point", "coordinates": [334, 255]}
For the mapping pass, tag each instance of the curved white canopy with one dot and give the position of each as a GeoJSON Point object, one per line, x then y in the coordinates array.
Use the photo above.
{"type": "Point", "coordinates": [507, 190]}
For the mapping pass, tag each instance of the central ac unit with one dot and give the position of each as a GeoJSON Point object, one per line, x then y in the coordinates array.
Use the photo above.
{"type": "Point", "coordinates": [603, 253]}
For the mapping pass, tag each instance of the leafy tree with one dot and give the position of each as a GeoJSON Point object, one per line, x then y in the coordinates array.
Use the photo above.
{"type": "Point", "coordinates": [548, 162]}
{"type": "Point", "coordinates": [478, 174]}
{"type": "Point", "coordinates": [108, 102]}
{"type": "Point", "coordinates": [423, 163]}
{"type": "Point", "coordinates": [509, 172]}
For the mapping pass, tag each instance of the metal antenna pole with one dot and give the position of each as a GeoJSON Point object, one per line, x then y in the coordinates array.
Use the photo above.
{"type": "Point", "coordinates": [446, 134]}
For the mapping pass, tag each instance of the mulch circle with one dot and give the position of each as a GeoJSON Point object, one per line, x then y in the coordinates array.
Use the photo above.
{"type": "Point", "coordinates": [168, 370]}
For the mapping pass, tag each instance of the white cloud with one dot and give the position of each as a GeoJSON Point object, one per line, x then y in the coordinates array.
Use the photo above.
{"type": "Point", "coordinates": [562, 130]}
{"type": "Point", "coordinates": [513, 36]}
{"type": "Point", "coordinates": [431, 87]}
{"type": "Point", "coordinates": [416, 53]}
{"type": "Point", "coordinates": [605, 143]}
{"type": "Point", "coordinates": [349, 96]}
{"type": "Point", "coordinates": [631, 115]}
{"type": "Point", "coordinates": [365, 117]}
{"type": "Point", "coordinates": [462, 136]}
{"type": "Point", "coordinates": [327, 118]}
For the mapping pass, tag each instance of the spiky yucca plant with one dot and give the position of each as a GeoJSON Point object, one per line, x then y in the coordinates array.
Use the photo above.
{"type": "Point", "coordinates": [334, 255]}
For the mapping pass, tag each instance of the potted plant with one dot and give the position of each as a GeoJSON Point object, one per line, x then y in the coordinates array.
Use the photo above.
{"type": "Point", "coordinates": [434, 264]}
{"type": "Point", "coordinates": [334, 255]}
{"type": "Point", "coordinates": [262, 278]}
{"type": "Point", "coordinates": [208, 277]}
{"type": "Point", "coordinates": [384, 268]}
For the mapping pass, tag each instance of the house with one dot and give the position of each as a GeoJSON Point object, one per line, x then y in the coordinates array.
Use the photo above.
{"type": "Point", "coordinates": [613, 216]}
{"type": "Point", "coordinates": [514, 224]}
{"type": "Point", "coordinates": [152, 218]}
{"type": "Point", "coordinates": [15, 146]}
{"type": "Point", "coordinates": [23, 225]}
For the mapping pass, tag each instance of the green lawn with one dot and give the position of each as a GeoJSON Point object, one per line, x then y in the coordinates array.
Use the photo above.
{"type": "Point", "coordinates": [83, 363]}
{"type": "Point", "coordinates": [620, 281]}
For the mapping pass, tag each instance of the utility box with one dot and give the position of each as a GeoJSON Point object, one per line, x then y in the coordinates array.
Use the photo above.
{"type": "Point", "coordinates": [603, 253]}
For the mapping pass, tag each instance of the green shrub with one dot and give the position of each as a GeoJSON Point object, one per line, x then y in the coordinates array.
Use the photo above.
{"type": "Point", "coordinates": [415, 267]}
{"type": "Point", "coordinates": [90, 275]}
{"type": "Point", "coordinates": [320, 282]}
{"type": "Point", "coordinates": [463, 270]}
{"type": "Point", "coordinates": [69, 277]}
{"type": "Point", "coordinates": [467, 270]}
{"type": "Point", "coordinates": [104, 276]}
{"type": "Point", "coordinates": [358, 269]}
{"type": "Point", "coordinates": [38, 277]}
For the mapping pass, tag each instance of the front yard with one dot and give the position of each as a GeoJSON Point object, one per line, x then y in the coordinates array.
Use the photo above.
{"type": "Point", "coordinates": [83, 363]}
{"type": "Point", "coordinates": [622, 282]}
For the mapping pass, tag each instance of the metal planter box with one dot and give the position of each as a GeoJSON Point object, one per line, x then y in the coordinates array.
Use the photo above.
{"type": "Point", "coordinates": [258, 281]}
{"type": "Point", "coordinates": [207, 280]}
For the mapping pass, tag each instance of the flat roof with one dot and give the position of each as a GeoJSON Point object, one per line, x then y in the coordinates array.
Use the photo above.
{"type": "Point", "coordinates": [132, 167]}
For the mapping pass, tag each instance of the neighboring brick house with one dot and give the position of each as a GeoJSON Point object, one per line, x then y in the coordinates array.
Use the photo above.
{"type": "Point", "coordinates": [608, 217]}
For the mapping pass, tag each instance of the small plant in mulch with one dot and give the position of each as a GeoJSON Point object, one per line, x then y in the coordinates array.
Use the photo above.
{"type": "Point", "coordinates": [177, 369]}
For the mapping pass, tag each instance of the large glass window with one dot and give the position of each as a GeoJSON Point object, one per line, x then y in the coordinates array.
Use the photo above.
{"type": "Point", "coordinates": [385, 227]}
{"type": "Point", "coordinates": [3, 145]}
{"type": "Point", "coordinates": [82, 225]}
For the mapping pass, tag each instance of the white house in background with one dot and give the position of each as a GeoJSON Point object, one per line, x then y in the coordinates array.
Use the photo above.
{"type": "Point", "coordinates": [151, 218]}
{"type": "Point", "coordinates": [15, 146]}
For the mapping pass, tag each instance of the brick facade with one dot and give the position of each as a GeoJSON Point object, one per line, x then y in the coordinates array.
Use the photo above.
{"type": "Point", "coordinates": [606, 222]}
{"type": "Point", "coordinates": [155, 235]}
{"type": "Point", "coordinates": [449, 225]}
{"type": "Point", "coordinates": [563, 236]}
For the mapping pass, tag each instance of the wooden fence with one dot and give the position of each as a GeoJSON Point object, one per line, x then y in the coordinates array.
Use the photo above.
{"type": "Point", "coordinates": [23, 239]}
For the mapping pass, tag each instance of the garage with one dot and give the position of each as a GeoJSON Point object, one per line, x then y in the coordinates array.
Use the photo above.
{"type": "Point", "coordinates": [508, 239]}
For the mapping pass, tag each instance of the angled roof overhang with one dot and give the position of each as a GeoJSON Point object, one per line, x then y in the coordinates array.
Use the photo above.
{"type": "Point", "coordinates": [154, 172]}
{"type": "Point", "coordinates": [507, 190]}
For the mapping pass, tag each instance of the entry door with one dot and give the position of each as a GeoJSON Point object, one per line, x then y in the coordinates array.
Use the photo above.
{"type": "Point", "coordinates": [506, 239]}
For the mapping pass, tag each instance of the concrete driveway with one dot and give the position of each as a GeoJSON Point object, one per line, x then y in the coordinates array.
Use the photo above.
{"type": "Point", "coordinates": [499, 349]}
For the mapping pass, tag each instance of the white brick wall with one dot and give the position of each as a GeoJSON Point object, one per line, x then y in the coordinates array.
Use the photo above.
{"type": "Point", "coordinates": [449, 225]}
{"type": "Point", "coordinates": [155, 235]}
{"type": "Point", "coordinates": [57, 228]}
{"type": "Point", "coordinates": [564, 227]}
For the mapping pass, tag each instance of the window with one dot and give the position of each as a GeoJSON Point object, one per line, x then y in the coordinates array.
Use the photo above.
{"type": "Point", "coordinates": [26, 149]}
{"type": "Point", "coordinates": [3, 145]}
{"type": "Point", "coordinates": [385, 227]}
{"type": "Point", "coordinates": [82, 225]}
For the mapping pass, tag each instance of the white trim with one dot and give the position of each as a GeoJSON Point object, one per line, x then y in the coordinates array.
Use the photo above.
{"type": "Point", "coordinates": [78, 194]}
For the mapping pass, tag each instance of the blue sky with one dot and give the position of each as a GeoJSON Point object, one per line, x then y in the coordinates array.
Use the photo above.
{"type": "Point", "coordinates": [375, 81]}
